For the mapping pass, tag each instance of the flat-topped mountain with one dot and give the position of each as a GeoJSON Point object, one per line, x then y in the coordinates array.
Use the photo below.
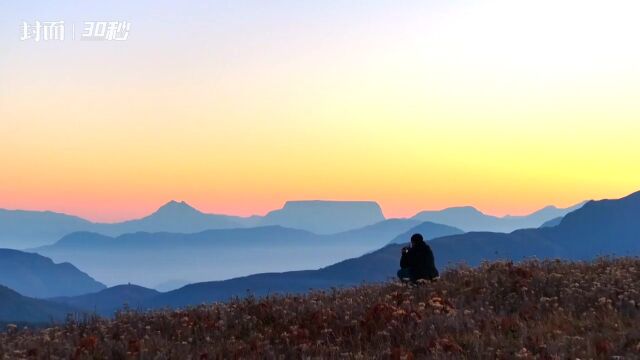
{"type": "Point", "coordinates": [325, 217]}
{"type": "Point", "coordinates": [37, 276]}
{"type": "Point", "coordinates": [30, 229]}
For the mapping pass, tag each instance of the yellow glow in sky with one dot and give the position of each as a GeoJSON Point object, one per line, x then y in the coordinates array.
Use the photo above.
{"type": "Point", "coordinates": [237, 107]}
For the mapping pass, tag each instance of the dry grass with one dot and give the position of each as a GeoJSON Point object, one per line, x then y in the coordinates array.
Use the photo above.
{"type": "Point", "coordinates": [533, 310]}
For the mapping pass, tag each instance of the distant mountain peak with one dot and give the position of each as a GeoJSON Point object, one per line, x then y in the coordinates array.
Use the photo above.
{"type": "Point", "coordinates": [464, 208]}
{"type": "Point", "coordinates": [173, 207]}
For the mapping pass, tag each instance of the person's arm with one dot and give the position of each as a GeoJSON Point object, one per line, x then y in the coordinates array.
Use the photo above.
{"type": "Point", "coordinates": [404, 259]}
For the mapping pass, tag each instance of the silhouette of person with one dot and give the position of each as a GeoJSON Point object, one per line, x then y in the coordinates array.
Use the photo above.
{"type": "Point", "coordinates": [417, 261]}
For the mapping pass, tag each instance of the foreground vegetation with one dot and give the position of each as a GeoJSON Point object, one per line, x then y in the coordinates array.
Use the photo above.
{"type": "Point", "coordinates": [532, 310]}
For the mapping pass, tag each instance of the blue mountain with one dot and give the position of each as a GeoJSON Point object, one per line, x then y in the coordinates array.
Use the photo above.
{"type": "Point", "coordinates": [151, 258]}
{"type": "Point", "coordinates": [15, 308]}
{"type": "Point", "coordinates": [107, 301]}
{"type": "Point", "coordinates": [428, 230]}
{"type": "Point", "coordinates": [325, 217]}
{"type": "Point", "coordinates": [23, 229]}
{"type": "Point", "coordinates": [37, 276]}
{"type": "Point", "coordinates": [552, 222]}
{"type": "Point", "coordinates": [469, 218]}
{"type": "Point", "coordinates": [28, 229]}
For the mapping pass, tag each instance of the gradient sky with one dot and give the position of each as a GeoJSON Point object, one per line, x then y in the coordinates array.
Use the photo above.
{"type": "Point", "coordinates": [237, 106]}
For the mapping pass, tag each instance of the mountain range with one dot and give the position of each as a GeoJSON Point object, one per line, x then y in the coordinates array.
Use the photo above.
{"type": "Point", "coordinates": [29, 229]}
{"type": "Point", "coordinates": [469, 218]}
{"type": "Point", "coordinates": [599, 228]}
{"type": "Point", "coordinates": [151, 258]}
{"type": "Point", "coordinates": [606, 227]}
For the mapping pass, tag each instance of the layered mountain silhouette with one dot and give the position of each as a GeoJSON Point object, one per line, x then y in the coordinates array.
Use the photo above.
{"type": "Point", "coordinates": [28, 229]}
{"type": "Point", "coordinates": [552, 222]}
{"type": "Point", "coordinates": [469, 218]}
{"type": "Point", "coordinates": [23, 229]}
{"type": "Point", "coordinates": [151, 258]}
{"type": "Point", "coordinates": [34, 275]}
{"type": "Point", "coordinates": [15, 308]}
{"type": "Point", "coordinates": [606, 227]}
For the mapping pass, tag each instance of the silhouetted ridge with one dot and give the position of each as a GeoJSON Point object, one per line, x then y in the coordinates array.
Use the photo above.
{"type": "Point", "coordinates": [428, 230]}
{"type": "Point", "coordinates": [37, 276]}
{"type": "Point", "coordinates": [470, 219]}
{"type": "Point", "coordinates": [18, 308]}
{"type": "Point", "coordinates": [107, 301]}
{"type": "Point", "coordinates": [598, 228]}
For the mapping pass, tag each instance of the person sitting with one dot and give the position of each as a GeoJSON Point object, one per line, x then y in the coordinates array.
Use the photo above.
{"type": "Point", "coordinates": [417, 261]}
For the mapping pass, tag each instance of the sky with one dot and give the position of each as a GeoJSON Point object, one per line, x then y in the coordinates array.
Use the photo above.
{"type": "Point", "coordinates": [238, 106]}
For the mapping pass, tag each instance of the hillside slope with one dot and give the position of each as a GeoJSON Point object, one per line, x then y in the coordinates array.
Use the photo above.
{"type": "Point", "coordinates": [107, 301]}
{"type": "Point", "coordinates": [533, 310]}
{"type": "Point", "coordinates": [17, 308]}
{"type": "Point", "coordinates": [37, 276]}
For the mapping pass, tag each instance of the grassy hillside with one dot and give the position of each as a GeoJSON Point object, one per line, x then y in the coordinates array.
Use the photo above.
{"type": "Point", "coordinates": [15, 307]}
{"type": "Point", "coordinates": [542, 310]}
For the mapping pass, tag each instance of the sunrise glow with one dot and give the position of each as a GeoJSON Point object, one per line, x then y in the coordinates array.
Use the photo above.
{"type": "Point", "coordinates": [236, 107]}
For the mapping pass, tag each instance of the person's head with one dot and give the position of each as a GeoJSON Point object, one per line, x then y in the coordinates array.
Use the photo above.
{"type": "Point", "coordinates": [416, 239]}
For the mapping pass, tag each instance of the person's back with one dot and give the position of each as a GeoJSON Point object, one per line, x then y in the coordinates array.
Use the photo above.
{"type": "Point", "coordinates": [417, 262]}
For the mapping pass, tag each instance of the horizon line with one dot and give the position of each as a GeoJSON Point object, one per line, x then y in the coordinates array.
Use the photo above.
{"type": "Point", "coordinates": [90, 219]}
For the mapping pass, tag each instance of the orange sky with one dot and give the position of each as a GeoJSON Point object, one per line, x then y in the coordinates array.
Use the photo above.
{"type": "Point", "coordinates": [236, 108]}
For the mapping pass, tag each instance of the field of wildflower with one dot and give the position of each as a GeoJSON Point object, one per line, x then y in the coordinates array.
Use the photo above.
{"type": "Point", "coordinates": [502, 310]}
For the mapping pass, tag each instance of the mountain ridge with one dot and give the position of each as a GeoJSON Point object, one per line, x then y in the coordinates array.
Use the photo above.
{"type": "Point", "coordinates": [23, 229]}
{"type": "Point", "coordinates": [599, 228]}
{"type": "Point", "coordinates": [468, 218]}
{"type": "Point", "coordinates": [227, 253]}
{"type": "Point", "coordinates": [18, 308]}
{"type": "Point", "coordinates": [37, 276]}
